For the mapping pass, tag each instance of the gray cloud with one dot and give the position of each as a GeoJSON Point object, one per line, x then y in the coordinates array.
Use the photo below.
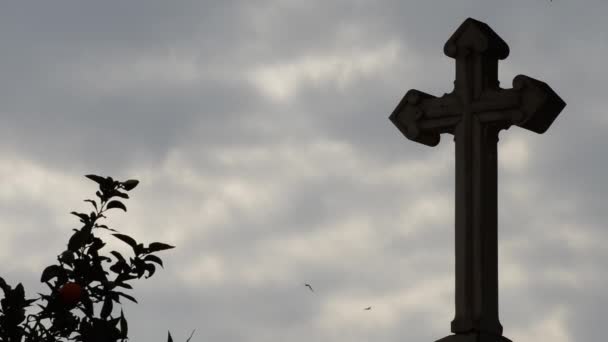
{"type": "Point", "coordinates": [260, 134]}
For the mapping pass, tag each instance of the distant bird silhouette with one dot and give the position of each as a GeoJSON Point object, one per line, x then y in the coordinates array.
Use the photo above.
{"type": "Point", "coordinates": [368, 308]}
{"type": "Point", "coordinates": [310, 287]}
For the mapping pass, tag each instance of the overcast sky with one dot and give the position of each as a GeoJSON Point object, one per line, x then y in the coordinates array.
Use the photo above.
{"type": "Point", "coordinates": [259, 133]}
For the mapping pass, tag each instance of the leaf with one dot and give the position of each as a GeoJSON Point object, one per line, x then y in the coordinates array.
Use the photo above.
{"type": "Point", "coordinates": [92, 202]}
{"type": "Point", "coordinates": [116, 204]}
{"type": "Point", "coordinates": [124, 327]}
{"type": "Point", "coordinates": [127, 296]}
{"type": "Point", "coordinates": [125, 285]}
{"type": "Point", "coordinates": [106, 310]}
{"type": "Point", "coordinates": [158, 246]}
{"type": "Point", "coordinates": [129, 240]}
{"type": "Point", "coordinates": [119, 194]}
{"type": "Point", "coordinates": [114, 296]}
{"type": "Point", "coordinates": [77, 241]}
{"type": "Point", "coordinates": [97, 245]}
{"type": "Point", "coordinates": [118, 256]}
{"type": "Point", "coordinates": [97, 273]}
{"type": "Point", "coordinates": [105, 258]}
{"type": "Point", "coordinates": [150, 268]}
{"type": "Point", "coordinates": [118, 267]}
{"type": "Point", "coordinates": [170, 339]}
{"type": "Point", "coordinates": [105, 227]}
{"type": "Point", "coordinates": [155, 259]}
{"type": "Point", "coordinates": [130, 184]}
{"type": "Point", "coordinates": [98, 179]}
{"type": "Point", "coordinates": [114, 321]}
{"type": "Point", "coordinates": [140, 266]}
{"type": "Point", "coordinates": [84, 218]}
{"type": "Point", "coordinates": [123, 276]}
{"type": "Point", "coordinates": [51, 272]}
{"type": "Point", "coordinates": [67, 257]}
{"type": "Point", "coordinates": [88, 305]}
{"type": "Point", "coordinates": [139, 249]}
{"type": "Point", "coordinates": [3, 285]}
{"type": "Point", "coordinates": [140, 272]}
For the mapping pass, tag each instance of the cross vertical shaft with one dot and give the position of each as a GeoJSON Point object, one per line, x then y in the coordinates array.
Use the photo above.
{"type": "Point", "coordinates": [476, 242]}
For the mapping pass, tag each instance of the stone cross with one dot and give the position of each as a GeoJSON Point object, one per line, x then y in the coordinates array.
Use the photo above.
{"type": "Point", "coordinates": [474, 112]}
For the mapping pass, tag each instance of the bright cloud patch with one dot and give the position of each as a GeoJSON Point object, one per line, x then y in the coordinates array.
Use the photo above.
{"type": "Point", "coordinates": [281, 81]}
{"type": "Point", "coordinates": [513, 153]}
{"type": "Point", "coordinates": [168, 68]}
{"type": "Point", "coordinates": [549, 328]}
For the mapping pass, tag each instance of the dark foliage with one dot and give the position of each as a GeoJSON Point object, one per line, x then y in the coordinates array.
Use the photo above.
{"type": "Point", "coordinates": [82, 264]}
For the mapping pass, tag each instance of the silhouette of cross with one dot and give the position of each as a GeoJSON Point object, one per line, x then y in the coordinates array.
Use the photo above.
{"type": "Point", "coordinates": [474, 112]}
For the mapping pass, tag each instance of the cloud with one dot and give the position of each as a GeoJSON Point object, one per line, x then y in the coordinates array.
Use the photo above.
{"type": "Point", "coordinates": [340, 69]}
{"type": "Point", "coordinates": [259, 132]}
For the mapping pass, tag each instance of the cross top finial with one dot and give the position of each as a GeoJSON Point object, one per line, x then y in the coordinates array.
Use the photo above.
{"type": "Point", "coordinates": [478, 37]}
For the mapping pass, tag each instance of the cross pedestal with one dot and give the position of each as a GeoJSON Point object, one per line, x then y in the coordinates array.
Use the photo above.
{"type": "Point", "coordinates": [474, 112]}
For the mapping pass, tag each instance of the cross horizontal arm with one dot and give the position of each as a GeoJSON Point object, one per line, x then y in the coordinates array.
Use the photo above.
{"type": "Point", "coordinates": [422, 117]}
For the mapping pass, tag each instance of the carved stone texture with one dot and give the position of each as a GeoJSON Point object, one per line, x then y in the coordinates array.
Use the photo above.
{"type": "Point", "coordinates": [474, 112]}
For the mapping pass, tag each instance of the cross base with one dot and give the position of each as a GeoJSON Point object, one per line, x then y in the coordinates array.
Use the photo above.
{"type": "Point", "coordinates": [474, 337]}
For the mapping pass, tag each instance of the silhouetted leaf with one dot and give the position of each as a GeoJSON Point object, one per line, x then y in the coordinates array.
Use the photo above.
{"type": "Point", "coordinates": [140, 272]}
{"type": "Point", "coordinates": [140, 266]}
{"type": "Point", "coordinates": [158, 246]}
{"type": "Point", "coordinates": [67, 257]}
{"type": "Point", "coordinates": [97, 245]}
{"type": "Point", "coordinates": [115, 321]}
{"type": "Point", "coordinates": [126, 296]}
{"type": "Point", "coordinates": [170, 339]}
{"type": "Point", "coordinates": [123, 270]}
{"type": "Point", "coordinates": [155, 259]}
{"type": "Point", "coordinates": [130, 184]}
{"type": "Point", "coordinates": [96, 272]}
{"type": "Point", "coordinates": [98, 179]}
{"type": "Point", "coordinates": [4, 287]}
{"type": "Point", "coordinates": [117, 255]}
{"type": "Point", "coordinates": [51, 272]}
{"type": "Point", "coordinates": [88, 305]}
{"type": "Point", "coordinates": [124, 327]}
{"type": "Point", "coordinates": [77, 241]}
{"type": "Point", "coordinates": [106, 310]}
{"type": "Point", "coordinates": [30, 301]}
{"type": "Point", "coordinates": [119, 194]}
{"type": "Point", "coordinates": [150, 268]}
{"type": "Point", "coordinates": [125, 276]}
{"type": "Point", "coordinates": [125, 285]}
{"type": "Point", "coordinates": [116, 204]}
{"type": "Point", "coordinates": [105, 227]}
{"type": "Point", "coordinates": [84, 218]}
{"type": "Point", "coordinates": [129, 240]}
{"type": "Point", "coordinates": [139, 249]}
{"type": "Point", "coordinates": [114, 296]}
{"type": "Point", "coordinates": [105, 258]}
{"type": "Point", "coordinates": [92, 202]}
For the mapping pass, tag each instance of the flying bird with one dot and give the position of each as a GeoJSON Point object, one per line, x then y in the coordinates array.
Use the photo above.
{"type": "Point", "coordinates": [368, 308]}
{"type": "Point", "coordinates": [310, 287]}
